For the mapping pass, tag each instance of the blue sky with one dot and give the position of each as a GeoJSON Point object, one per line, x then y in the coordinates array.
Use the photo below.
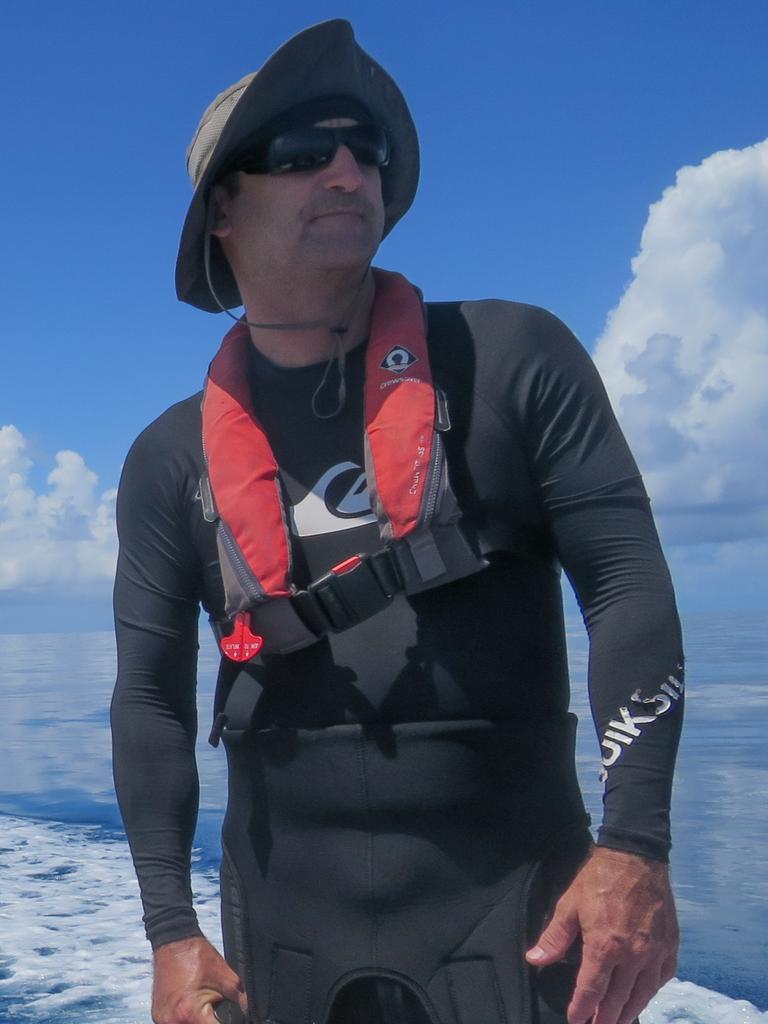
{"type": "Point", "coordinates": [606, 160]}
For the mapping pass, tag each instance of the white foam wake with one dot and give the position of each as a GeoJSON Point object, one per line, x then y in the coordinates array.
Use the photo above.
{"type": "Point", "coordinates": [682, 1002]}
{"type": "Point", "coordinates": [72, 947]}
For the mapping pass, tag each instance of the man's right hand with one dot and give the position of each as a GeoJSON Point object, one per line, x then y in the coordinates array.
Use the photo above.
{"type": "Point", "coordinates": [191, 977]}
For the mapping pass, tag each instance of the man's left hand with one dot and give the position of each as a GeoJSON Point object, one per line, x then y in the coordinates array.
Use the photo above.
{"type": "Point", "coordinates": [622, 907]}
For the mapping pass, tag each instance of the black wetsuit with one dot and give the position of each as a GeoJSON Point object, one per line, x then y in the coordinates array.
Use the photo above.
{"type": "Point", "coordinates": [405, 802]}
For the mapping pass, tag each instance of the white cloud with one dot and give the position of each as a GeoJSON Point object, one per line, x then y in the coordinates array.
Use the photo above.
{"type": "Point", "coordinates": [685, 353]}
{"type": "Point", "coordinates": [60, 538]}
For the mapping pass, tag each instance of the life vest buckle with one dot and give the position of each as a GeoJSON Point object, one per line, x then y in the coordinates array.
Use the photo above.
{"type": "Point", "coordinates": [354, 590]}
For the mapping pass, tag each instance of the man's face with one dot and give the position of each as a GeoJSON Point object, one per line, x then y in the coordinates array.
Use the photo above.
{"type": "Point", "coordinates": [329, 218]}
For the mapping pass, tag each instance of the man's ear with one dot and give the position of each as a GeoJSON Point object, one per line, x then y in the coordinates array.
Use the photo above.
{"type": "Point", "coordinates": [218, 217]}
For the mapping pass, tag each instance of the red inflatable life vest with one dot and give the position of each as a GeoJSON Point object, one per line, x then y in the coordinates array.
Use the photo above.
{"type": "Point", "coordinates": [418, 517]}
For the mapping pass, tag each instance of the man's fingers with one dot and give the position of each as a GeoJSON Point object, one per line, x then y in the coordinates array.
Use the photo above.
{"type": "Point", "coordinates": [231, 989]}
{"type": "Point", "coordinates": [624, 997]}
{"type": "Point", "coordinates": [236, 994]}
{"type": "Point", "coordinates": [592, 983]}
{"type": "Point", "coordinates": [619, 992]}
{"type": "Point", "coordinates": [229, 1012]}
{"type": "Point", "coordinates": [555, 941]}
{"type": "Point", "coordinates": [668, 969]}
{"type": "Point", "coordinates": [646, 987]}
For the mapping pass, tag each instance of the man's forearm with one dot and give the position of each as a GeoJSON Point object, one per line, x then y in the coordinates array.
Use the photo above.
{"type": "Point", "coordinates": [635, 668]}
{"type": "Point", "coordinates": [637, 695]}
{"type": "Point", "coordinates": [157, 788]}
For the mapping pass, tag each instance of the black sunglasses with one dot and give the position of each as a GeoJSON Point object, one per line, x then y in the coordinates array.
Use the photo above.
{"type": "Point", "coordinates": [306, 149]}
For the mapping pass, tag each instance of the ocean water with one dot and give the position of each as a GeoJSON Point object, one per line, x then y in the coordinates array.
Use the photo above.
{"type": "Point", "coordinates": [72, 947]}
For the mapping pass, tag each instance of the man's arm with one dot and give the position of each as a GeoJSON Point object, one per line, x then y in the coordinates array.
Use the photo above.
{"type": "Point", "coordinates": [620, 904]}
{"type": "Point", "coordinates": [154, 726]}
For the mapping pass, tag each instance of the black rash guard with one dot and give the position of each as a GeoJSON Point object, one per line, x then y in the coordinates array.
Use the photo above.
{"type": "Point", "coordinates": [535, 457]}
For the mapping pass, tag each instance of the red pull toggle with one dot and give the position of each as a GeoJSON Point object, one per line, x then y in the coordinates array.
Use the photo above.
{"type": "Point", "coordinates": [347, 565]}
{"type": "Point", "coordinates": [241, 644]}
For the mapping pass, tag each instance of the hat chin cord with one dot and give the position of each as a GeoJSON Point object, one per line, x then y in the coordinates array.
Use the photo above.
{"type": "Point", "coordinates": [337, 331]}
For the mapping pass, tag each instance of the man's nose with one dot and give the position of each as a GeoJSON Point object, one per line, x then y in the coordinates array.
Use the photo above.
{"type": "Point", "coordinates": [343, 172]}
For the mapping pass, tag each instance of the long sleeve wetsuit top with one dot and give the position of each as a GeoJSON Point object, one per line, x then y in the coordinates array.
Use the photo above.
{"type": "Point", "coordinates": [537, 459]}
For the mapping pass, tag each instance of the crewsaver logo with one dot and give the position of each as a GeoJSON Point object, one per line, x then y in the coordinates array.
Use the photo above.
{"type": "Point", "coordinates": [398, 359]}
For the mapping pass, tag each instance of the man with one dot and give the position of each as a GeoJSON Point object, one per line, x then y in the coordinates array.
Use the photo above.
{"type": "Point", "coordinates": [403, 809]}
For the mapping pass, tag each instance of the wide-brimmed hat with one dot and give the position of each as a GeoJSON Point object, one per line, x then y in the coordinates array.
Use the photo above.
{"type": "Point", "coordinates": [322, 61]}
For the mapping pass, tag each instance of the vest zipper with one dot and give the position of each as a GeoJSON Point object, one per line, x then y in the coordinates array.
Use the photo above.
{"type": "Point", "coordinates": [248, 582]}
{"type": "Point", "coordinates": [435, 479]}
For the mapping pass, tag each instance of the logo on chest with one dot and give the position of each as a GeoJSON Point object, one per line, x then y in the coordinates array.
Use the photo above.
{"type": "Point", "coordinates": [338, 501]}
{"type": "Point", "coordinates": [398, 359]}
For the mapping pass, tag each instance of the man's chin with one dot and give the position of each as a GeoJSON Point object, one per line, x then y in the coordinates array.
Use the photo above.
{"type": "Point", "coordinates": [341, 252]}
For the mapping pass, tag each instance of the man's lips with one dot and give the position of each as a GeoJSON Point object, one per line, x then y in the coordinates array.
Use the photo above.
{"type": "Point", "coordinates": [353, 209]}
{"type": "Point", "coordinates": [338, 213]}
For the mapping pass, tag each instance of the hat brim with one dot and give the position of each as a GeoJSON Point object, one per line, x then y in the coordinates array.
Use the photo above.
{"type": "Point", "coordinates": [322, 61]}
